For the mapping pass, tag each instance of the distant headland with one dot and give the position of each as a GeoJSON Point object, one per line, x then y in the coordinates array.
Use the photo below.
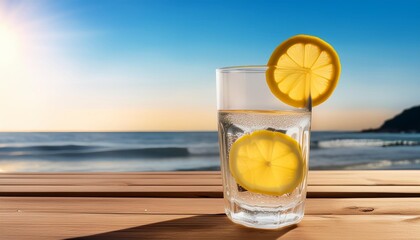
{"type": "Point", "coordinates": [407, 121]}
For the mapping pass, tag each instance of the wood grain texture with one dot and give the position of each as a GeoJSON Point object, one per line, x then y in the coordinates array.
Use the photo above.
{"type": "Point", "coordinates": [138, 226]}
{"type": "Point", "coordinates": [362, 191]}
{"type": "Point", "coordinates": [315, 178]}
{"type": "Point", "coordinates": [328, 184]}
{"type": "Point", "coordinates": [114, 175]}
{"type": "Point", "coordinates": [113, 191]}
{"type": "Point", "coordinates": [191, 206]}
{"type": "Point", "coordinates": [365, 178]}
{"type": "Point", "coordinates": [111, 182]}
{"type": "Point", "coordinates": [197, 191]}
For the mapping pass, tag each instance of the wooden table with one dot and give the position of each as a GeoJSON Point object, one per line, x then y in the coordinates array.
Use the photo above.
{"type": "Point", "coordinates": [189, 205]}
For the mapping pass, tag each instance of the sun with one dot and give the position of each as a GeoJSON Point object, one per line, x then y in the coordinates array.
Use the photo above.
{"type": "Point", "coordinates": [9, 46]}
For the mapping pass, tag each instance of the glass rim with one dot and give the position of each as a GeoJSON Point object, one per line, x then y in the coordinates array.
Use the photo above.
{"type": "Point", "coordinates": [243, 69]}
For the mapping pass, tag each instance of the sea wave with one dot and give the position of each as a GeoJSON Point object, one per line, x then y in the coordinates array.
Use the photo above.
{"type": "Point", "coordinates": [131, 153]}
{"type": "Point", "coordinates": [83, 152]}
{"type": "Point", "coordinates": [204, 151]}
{"type": "Point", "coordinates": [69, 147]}
{"type": "Point", "coordinates": [354, 143]}
{"type": "Point", "coordinates": [378, 164]}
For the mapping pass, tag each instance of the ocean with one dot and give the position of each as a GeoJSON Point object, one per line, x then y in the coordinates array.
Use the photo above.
{"type": "Point", "coordinates": [176, 151]}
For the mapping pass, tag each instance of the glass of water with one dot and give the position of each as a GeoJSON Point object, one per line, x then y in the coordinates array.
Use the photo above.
{"type": "Point", "coordinates": [264, 150]}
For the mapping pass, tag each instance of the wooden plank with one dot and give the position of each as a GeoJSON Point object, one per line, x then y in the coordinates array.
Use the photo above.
{"type": "Point", "coordinates": [190, 206]}
{"type": "Point", "coordinates": [113, 175]}
{"type": "Point", "coordinates": [199, 191]}
{"type": "Point", "coordinates": [191, 184]}
{"type": "Point", "coordinates": [139, 226]}
{"type": "Point", "coordinates": [178, 206]}
{"type": "Point", "coordinates": [111, 182]}
{"type": "Point", "coordinates": [365, 178]}
{"type": "Point", "coordinates": [362, 191]}
{"type": "Point", "coordinates": [362, 206]}
{"type": "Point", "coordinates": [113, 191]}
{"type": "Point", "coordinates": [315, 178]}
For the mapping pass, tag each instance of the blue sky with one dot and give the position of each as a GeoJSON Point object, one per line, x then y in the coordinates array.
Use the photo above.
{"type": "Point", "coordinates": [116, 65]}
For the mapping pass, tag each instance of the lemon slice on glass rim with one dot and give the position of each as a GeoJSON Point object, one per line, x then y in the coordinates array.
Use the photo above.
{"type": "Point", "coordinates": [301, 62]}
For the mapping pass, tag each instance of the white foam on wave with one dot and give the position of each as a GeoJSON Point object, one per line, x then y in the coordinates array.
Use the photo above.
{"type": "Point", "coordinates": [381, 164]}
{"type": "Point", "coordinates": [211, 150]}
{"type": "Point", "coordinates": [365, 143]}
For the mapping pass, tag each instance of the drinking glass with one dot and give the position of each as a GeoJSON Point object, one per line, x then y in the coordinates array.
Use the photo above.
{"type": "Point", "coordinates": [245, 104]}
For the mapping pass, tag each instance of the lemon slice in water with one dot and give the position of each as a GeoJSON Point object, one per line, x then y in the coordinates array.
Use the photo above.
{"type": "Point", "coordinates": [266, 162]}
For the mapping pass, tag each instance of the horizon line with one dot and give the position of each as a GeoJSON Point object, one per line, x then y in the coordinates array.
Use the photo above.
{"type": "Point", "coordinates": [153, 131]}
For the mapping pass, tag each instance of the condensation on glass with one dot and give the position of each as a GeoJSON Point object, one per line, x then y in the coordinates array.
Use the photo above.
{"type": "Point", "coordinates": [246, 104]}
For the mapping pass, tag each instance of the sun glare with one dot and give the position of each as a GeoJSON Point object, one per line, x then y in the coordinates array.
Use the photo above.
{"type": "Point", "coordinates": [9, 46]}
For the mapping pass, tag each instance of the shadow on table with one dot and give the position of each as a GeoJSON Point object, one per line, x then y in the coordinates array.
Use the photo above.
{"type": "Point", "coordinates": [197, 227]}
